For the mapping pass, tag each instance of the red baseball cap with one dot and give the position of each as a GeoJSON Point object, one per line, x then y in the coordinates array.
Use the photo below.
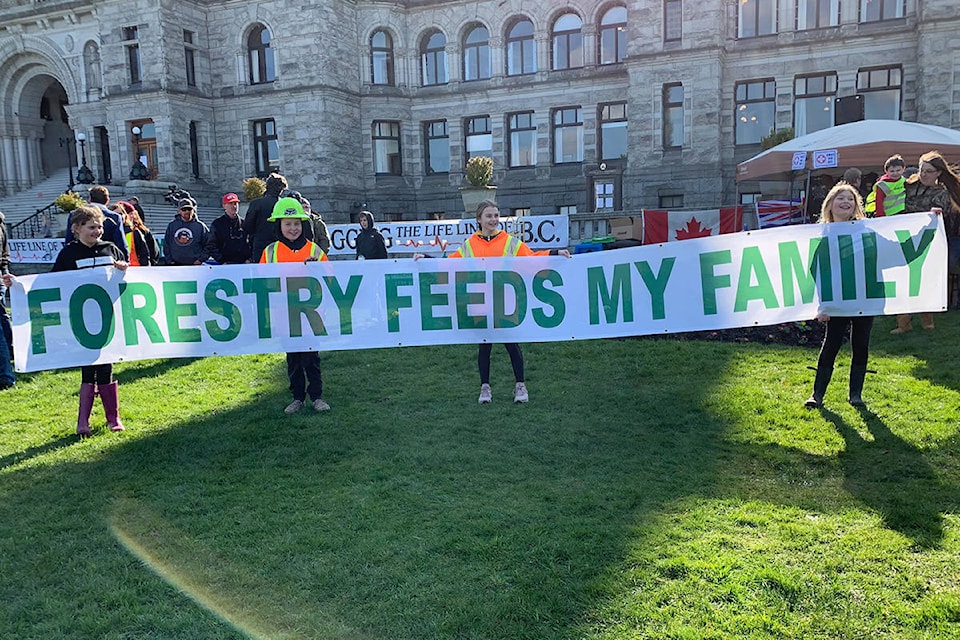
{"type": "Point", "coordinates": [230, 197]}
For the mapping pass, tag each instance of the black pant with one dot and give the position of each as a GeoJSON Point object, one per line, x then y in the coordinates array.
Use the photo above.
{"type": "Point", "coordinates": [303, 369]}
{"type": "Point", "coordinates": [483, 361]}
{"type": "Point", "coordinates": [97, 374]}
{"type": "Point", "coordinates": [860, 327]}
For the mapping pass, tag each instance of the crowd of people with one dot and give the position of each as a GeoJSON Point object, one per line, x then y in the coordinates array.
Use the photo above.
{"type": "Point", "coordinates": [281, 227]}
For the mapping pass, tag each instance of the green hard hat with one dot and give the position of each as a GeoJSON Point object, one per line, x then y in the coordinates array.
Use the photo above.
{"type": "Point", "coordinates": [288, 208]}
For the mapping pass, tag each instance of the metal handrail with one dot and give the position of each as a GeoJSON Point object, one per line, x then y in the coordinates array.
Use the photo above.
{"type": "Point", "coordinates": [39, 225]}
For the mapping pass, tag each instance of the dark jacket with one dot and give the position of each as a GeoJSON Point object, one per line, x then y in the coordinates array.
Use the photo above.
{"type": "Point", "coordinates": [231, 244]}
{"type": "Point", "coordinates": [370, 242]}
{"type": "Point", "coordinates": [186, 243]}
{"type": "Point", "coordinates": [255, 224]}
{"type": "Point", "coordinates": [4, 247]}
{"type": "Point", "coordinates": [317, 232]}
{"type": "Point", "coordinates": [920, 198]}
{"type": "Point", "coordinates": [75, 251]}
{"type": "Point", "coordinates": [139, 247]}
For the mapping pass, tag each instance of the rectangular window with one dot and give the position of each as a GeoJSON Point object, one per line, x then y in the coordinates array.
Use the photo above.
{"type": "Point", "coordinates": [522, 132]}
{"type": "Point", "coordinates": [816, 14]}
{"type": "Point", "coordinates": [757, 18]}
{"type": "Point", "coordinates": [672, 20]}
{"type": "Point", "coordinates": [613, 131]}
{"type": "Point", "coordinates": [520, 212]}
{"type": "Point", "coordinates": [814, 97]}
{"type": "Point", "coordinates": [673, 115]}
{"type": "Point", "coordinates": [755, 110]}
{"type": "Point", "coordinates": [567, 210]}
{"type": "Point", "coordinates": [880, 87]}
{"type": "Point", "coordinates": [266, 147]}
{"type": "Point", "coordinates": [132, 36]}
{"type": "Point", "coordinates": [437, 144]}
{"type": "Point", "coordinates": [877, 10]}
{"type": "Point", "coordinates": [567, 135]}
{"type": "Point", "coordinates": [478, 140]}
{"type": "Point", "coordinates": [386, 148]}
{"type": "Point", "coordinates": [670, 201]}
{"type": "Point", "coordinates": [604, 195]}
{"type": "Point", "coordinates": [189, 56]}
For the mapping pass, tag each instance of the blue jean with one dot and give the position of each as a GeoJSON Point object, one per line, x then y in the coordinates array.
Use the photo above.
{"type": "Point", "coordinates": [6, 371]}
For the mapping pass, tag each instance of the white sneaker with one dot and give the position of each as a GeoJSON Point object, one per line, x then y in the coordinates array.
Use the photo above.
{"type": "Point", "coordinates": [320, 405]}
{"type": "Point", "coordinates": [293, 407]}
{"type": "Point", "coordinates": [486, 395]}
{"type": "Point", "coordinates": [520, 394]}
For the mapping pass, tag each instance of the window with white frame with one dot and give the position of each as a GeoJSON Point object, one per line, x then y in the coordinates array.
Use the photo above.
{"type": "Point", "coordinates": [877, 10]}
{"type": "Point", "coordinates": [814, 97]}
{"type": "Point", "coordinates": [816, 14]}
{"type": "Point", "coordinates": [567, 210]}
{"type": "Point", "coordinates": [386, 148]}
{"type": "Point", "coordinates": [880, 88]}
{"type": "Point", "coordinates": [605, 195]}
{"type": "Point", "coordinates": [522, 136]}
{"type": "Point", "coordinates": [567, 135]}
{"type": "Point", "coordinates": [670, 201]}
{"type": "Point", "coordinates": [755, 110]}
{"type": "Point", "coordinates": [757, 18]}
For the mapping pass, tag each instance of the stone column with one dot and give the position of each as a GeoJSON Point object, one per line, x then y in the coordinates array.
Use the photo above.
{"type": "Point", "coordinates": [23, 165]}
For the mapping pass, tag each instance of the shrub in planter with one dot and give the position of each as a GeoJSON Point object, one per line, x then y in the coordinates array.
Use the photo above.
{"type": "Point", "coordinates": [479, 171]}
{"type": "Point", "coordinates": [253, 188]}
{"type": "Point", "coordinates": [69, 201]}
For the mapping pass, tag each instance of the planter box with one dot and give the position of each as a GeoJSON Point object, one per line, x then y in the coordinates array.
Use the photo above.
{"type": "Point", "coordinates": [473, 196]}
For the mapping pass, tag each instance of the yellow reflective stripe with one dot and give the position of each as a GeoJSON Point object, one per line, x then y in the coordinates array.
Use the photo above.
{"type": "Point", "coordinates": [468, 248]}
{"type": "Point", "coordinates": [271, 252]}
{"type": "Point", "coordinates": [512, 247]}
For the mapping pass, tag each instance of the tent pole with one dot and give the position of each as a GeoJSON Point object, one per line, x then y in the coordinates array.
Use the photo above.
{"type": "Point", "coordinates": [806, 200]}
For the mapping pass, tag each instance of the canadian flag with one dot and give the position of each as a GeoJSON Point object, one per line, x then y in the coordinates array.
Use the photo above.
{"type": "Point", "coordinates": [666, 226]}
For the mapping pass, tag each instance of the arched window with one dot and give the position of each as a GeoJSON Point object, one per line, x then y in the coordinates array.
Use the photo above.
{"type": "Point", "coordinates": [260, 56]}
{"type": "Point", "coordinates": [521, 49]}
{"type": "Point", "coordinates": [381, 58]}
{"type": "Point", "coordinates": [613, 36]}
{"type": "Point", "coordinates": [476, 54]}
{"type": "Point", "coordinates": [567, 42]}
{"type": "Point", "coordinates": [433, 59]}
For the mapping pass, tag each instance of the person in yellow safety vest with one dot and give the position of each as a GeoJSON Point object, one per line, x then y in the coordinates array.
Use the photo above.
{"type": "Point", "coordinates": [491, 242]}
{"type": "Point", "coordinates": [888, 196]}
{"type": "Point", "coordinates": [303, 368]}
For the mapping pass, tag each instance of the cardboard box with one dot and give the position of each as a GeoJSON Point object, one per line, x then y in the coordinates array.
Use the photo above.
{"type": "Point", "coordinates": [627, 228]}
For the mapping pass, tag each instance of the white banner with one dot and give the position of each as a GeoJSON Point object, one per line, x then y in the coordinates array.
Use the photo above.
{"type": "Point", "coordinates": [34, 250]}
{"type": "Point", "coordinates": [889, 265]}
{"type": "Point", "coordinates": [434, 237]}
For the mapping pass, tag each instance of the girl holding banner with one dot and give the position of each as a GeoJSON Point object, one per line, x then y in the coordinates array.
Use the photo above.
{"type": "Point", "coordinates": [842, 204]}
{"type": "Point", "coordinates": [490, 242]}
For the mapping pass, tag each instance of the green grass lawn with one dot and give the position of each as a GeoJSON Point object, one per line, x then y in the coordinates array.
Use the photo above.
{"type": "Point", "coordinates": [650, 489]}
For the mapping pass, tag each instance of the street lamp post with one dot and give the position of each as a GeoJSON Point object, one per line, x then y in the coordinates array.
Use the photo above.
{"type": "Point", "coordinates": [138, 171]}
{"type": "Point", "coordinates": [66, 142]}
{"type": "Point", "coordinates": [84, 174]}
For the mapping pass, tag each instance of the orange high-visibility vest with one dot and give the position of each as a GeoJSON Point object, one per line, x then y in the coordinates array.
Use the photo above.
{"type": "Point", "coordinates": [502, 244]}
{"type": "Point", "coordinates": [279, 252]}
{"type": "Point", "coordinates": [134, 259]}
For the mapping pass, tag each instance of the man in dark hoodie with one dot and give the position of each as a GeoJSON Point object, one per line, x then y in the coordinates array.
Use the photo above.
{"type": "Point", "coordinates": [255, 224]}
{"type": "Point", "coordinates": [187, 240]}
{"type": "Point", "coordinates": [370, 242]}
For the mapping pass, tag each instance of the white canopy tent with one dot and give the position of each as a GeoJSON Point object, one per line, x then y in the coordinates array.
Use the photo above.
{"type": "Point", "coordinates": [865, 144]}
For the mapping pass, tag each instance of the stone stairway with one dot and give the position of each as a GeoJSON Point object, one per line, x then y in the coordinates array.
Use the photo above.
{"type": "Point", "coordinates": [159, 213]}
{"type": "Point", "coordinates": [22, 205]}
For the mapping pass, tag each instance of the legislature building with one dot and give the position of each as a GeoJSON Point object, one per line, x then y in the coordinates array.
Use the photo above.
{"type": "Point", "coordinates": [583, 105]}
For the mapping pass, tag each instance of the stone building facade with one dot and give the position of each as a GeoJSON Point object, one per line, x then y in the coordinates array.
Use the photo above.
{"type": "Point", "coordinates": [581, 103]}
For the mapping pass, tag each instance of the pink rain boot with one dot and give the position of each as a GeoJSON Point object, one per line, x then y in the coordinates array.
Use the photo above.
{"type": "Point", "coordinates": [87, 392]}
{"type": "Point", "coordinates": [111, 405]}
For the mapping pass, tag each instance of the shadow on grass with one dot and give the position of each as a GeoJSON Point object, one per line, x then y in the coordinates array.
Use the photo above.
{"type": "Point", "coordinates": [894, 478]}
{"type": "Point", "coordinates": [130, 372]}
{"type": "Point", "coordinates": [31, 452]}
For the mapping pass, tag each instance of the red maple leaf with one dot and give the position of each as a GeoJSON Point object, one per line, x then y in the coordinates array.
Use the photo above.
{"type": "Point", "coordinates": [693, 230]}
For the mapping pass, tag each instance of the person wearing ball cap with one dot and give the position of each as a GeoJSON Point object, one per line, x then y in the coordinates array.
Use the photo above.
{"type": "Point", "coordinates": [303, 369]}
{"type": "Point", "coordinates": [230, 243]}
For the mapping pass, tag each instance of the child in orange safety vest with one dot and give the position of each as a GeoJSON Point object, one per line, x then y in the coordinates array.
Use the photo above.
{"type": "Point", "coordinates": [303, 369]}
{"type": "Point", "coordinates": [490, 242]}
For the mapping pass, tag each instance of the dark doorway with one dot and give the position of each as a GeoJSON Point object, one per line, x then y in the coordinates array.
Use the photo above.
{"type": "Point", "coordinates": [104, 139]}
